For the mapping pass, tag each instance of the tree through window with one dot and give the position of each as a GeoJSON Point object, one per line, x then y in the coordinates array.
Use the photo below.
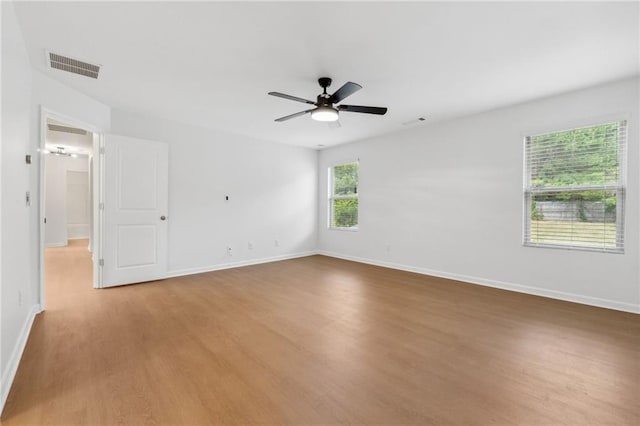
{"type": "Point", "coordinates": [343, 196]}
{"type": "Point", "coordinates": [574, 188]}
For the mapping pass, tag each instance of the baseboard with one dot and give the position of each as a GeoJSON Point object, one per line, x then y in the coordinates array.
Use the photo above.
{"type": "Point", "coordinates": [536, 291]}
{"type": "Point", "coordinates": [191, 271]}
{"type": "Point", "coordinates": [56, 244]}
{"type": "Point", "coordinates": [14, 361]}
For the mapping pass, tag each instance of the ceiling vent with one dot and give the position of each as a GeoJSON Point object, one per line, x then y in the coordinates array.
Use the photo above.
{"type": "Point", "coordinates": [75, 66]}
{"type": "Point", "coordinates": [65, 129]}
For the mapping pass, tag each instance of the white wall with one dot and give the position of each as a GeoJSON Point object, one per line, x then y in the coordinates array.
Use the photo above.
{"type": "Point", "coordinates": [24, 91]}
{"type": "Point", "coordinates": [56, 167]}
{"type": "Point", "coordinates": [18, 293]}
{"type": "Point", "coordinates": [78, 204]}
{"type": "Point", "coordinates": [447, 200]}
{"type": "Point", "coordinates": [68, 102]}
{"type": "Point", "coordinates": [272, 189]}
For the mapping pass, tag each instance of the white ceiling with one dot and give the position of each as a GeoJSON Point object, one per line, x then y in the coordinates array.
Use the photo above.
{"type": "Point", "coordinates": [212, 64]}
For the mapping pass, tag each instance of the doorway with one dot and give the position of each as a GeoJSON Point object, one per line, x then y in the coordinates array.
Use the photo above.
{"type": "Point", "coordinates": [127, 217]}
{"type": "Point", "coordinates": [68, 206]}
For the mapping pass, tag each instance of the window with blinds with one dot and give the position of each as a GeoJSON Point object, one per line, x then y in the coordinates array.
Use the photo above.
{"type": "Point", "coordinates": [574, 188]}
{"type": "Point", "coordinates": [343, 196]}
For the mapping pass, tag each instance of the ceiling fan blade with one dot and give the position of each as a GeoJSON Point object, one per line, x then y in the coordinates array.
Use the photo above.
{"type": "Point", "coordinates": [348, 89]}
{"type": "Point", "coordinates": [363, 109]}
{"type": "Point", "coordinates": [297, 114]}
{"type": "Point", "coordinates": [291, 98]}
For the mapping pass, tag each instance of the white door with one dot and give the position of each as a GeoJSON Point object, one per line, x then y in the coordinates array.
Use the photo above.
{"type": "Point", "coordinates": [136, 192]}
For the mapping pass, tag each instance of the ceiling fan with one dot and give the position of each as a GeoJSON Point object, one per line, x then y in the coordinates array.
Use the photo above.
{"type": "Point", "coordinates": [325, 108]}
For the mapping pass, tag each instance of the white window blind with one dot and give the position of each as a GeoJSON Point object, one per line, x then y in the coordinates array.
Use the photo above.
{"type": "Point", "coordinates": [343, 196]}
{"type": "Point", "coordinates": [574, 188]}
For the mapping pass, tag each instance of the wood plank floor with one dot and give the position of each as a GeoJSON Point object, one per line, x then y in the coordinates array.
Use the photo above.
{"type": "Point", "coordinates": [318, 340]}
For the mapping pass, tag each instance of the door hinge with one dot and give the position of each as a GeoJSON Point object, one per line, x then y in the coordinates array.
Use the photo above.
{"type": "Point", "coordinates": [101, 206]}
{"type": "Point", "coordinates": [101, 262]}
{"type": "Point", "coordinates": [101, 150]}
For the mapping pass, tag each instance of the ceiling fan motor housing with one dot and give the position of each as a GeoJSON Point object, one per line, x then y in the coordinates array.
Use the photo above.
{"type": "Point", "coordinates": [323, 100]}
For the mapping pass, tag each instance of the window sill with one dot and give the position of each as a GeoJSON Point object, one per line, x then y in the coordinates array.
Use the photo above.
{"type": "Point", "coordinates": [354, 229]}
{"type": "Point", "coordinates": [575, 248]}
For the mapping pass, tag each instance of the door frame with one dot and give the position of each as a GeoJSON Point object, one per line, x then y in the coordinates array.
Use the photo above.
{"type": "Point", "coordinates": [97, 190]}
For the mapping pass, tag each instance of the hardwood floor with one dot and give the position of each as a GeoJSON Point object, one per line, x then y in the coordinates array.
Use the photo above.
{"type": "Point", "coordinates": [318, 340]}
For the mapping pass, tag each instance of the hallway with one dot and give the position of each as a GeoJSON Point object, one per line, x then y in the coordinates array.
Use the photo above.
{"type": "Point", "coordinates": [68, 271]}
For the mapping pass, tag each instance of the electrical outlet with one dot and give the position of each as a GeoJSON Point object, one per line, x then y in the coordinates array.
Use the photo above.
{"type": "Point", "coordinates": [388, 248]}
{"type": "Point", "coordinates": [276, 243]}
{"type": "Point", "coordinates": [250, 245]}
{"type": "Point", "coordinates": [229, 251]}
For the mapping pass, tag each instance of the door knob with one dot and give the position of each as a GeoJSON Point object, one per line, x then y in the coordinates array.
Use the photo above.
{"type": "Point", "coordinates": [163, 218]}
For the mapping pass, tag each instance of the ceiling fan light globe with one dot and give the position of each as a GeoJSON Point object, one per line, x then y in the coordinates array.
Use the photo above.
{"type": "Point", "coordinates": [325, 113]}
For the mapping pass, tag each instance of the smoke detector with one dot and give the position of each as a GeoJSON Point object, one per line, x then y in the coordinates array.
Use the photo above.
{"type": "Point", "coordinates": [414, 121]}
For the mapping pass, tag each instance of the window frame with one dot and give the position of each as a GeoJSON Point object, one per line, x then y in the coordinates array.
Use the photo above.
{"type": "Point", "coordinates": [620, 187]}
{"type": "Point", "coordinates": [331, 197]}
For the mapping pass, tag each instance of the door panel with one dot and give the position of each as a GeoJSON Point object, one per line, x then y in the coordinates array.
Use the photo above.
{"type": "Point", "coordinates": [137, 246]}
{"type": "Point", "coordinates": [135, 203]}
{"type": "Point", "coordinates": [138, 178]}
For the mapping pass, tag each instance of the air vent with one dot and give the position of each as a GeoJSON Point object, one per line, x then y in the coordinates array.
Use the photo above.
{"type": "Point", "coordinates": [65, 129]}
{"type": "Point", "coordinates": [75, 66]}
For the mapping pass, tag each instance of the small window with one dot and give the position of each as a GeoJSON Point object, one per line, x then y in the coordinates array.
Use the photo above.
{"type": "Point", "coordinates": [343, 196]}
{"type": "Point", "coordinates": [574, 188]}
